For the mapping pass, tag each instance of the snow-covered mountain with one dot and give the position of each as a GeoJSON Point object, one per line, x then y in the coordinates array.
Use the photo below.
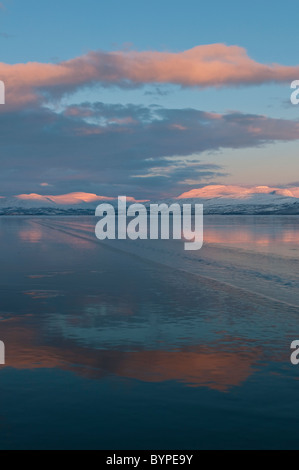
{"type": "Point", "coordinates": [217, 199]}
{"type": "Point", "coordinates": [36, 204]}
{"type": "Point", "coordinates": [220, 199]}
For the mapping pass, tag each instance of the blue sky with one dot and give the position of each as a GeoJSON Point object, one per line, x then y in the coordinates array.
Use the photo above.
{"type": "Point", "coordinates": [53, 32]}
{"type": "Point", "coordinates": [45, 30]}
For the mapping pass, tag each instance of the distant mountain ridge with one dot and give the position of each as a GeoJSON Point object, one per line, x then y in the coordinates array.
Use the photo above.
{"type": "Point", "coordinates": [238, 192]}
{"type": "Point", "coordinates": [217, 199]}
{"type": "Point", "coordinates": [256, 200]}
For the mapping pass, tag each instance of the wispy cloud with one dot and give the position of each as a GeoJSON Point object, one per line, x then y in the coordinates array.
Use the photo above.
{"type": "Point", "coordinates": [5, 35]}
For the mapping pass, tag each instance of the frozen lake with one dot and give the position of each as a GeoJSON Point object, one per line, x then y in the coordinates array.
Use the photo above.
{"type": "Point", "coordinates": [142, 345]}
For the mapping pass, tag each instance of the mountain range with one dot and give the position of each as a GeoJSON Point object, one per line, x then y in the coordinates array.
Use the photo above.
{"type": "Point", "coordinates": [217, 199]}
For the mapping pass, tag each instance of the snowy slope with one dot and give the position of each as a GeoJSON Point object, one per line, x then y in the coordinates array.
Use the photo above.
{"type": "Point", "coordinates": [244, 200]}
{"type": "Point", "coordinates": [217, 199]}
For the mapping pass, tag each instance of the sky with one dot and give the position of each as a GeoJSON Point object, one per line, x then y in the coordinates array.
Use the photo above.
{"type": "Point", "coordinates": [148, 99]}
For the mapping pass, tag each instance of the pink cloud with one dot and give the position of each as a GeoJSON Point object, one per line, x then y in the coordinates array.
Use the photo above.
{"type": "Point", "coordinates": [215, 65]}
{"type": "Point", "coordinates": [179, 127]}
